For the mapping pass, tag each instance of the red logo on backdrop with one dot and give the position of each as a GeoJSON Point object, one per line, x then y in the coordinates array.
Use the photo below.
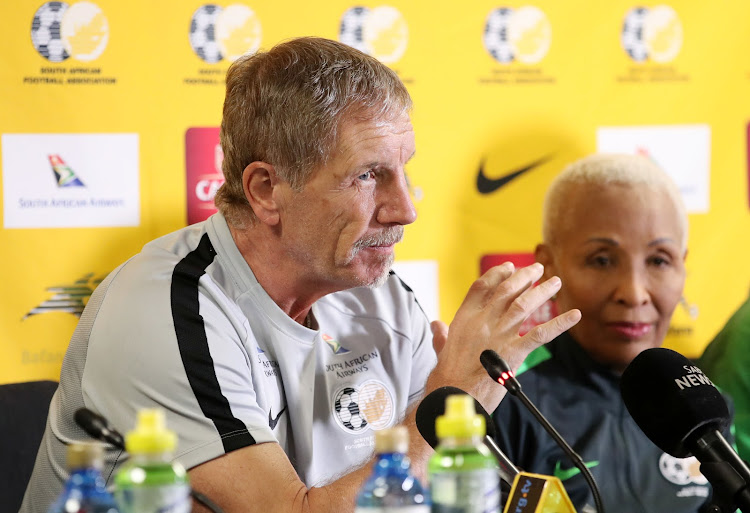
{"type": "Point", "coordinates": [545, 312]}
{"type": "Point", "coordinates": [203, 158]}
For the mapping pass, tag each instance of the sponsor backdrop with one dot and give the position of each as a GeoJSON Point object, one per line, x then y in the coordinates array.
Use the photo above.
{"type": "Point", "coordinates": [109, 113]}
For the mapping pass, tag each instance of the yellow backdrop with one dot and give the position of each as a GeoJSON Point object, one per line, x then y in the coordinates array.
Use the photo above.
{"type": "Point", "coordinates": [99, 98]}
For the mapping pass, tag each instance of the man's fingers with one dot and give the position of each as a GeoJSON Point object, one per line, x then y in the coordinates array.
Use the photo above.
{"type": "Point", "coordinates": [483, 288]}
{"type": "Point", "coordinates": [551, 329]}
{"type": "Point", "coordinates": [513, 287]}
{"type": "Point", "coordinates": [439, 335]}
{"type": "Point", "coordinates": [531, 299]}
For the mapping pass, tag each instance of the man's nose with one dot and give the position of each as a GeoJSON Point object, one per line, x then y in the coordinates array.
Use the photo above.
{"type": "Point", "coordinates": [397, 206]}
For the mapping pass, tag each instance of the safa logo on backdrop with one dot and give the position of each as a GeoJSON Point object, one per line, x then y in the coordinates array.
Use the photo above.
{"type": "Point", "coordinates": [378, 31]}
{"type": "Point", "coordinates": [60, 30]}
{"type": "Point", "coordinates": [203, 160]}
{"type": "Point", "coordinates": [652, 33]}
{"type": "Point", "coordinates": [522, 34]}
{"type": "Point", "coordinates": [218, 33]}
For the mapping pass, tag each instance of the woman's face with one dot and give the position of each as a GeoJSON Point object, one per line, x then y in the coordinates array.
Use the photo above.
{"type": "Point", "coordinates": [618, 251]}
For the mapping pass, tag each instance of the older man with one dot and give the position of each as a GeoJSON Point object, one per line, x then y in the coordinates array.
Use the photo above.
{"type": "Point", "coordinates": [274, 334]}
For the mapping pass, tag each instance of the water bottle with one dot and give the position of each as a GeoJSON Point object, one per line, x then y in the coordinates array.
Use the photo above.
{"type": "Point", "coordinates": [85, 491]}
{"type": "Point", "coordinates": [464, 477]}
{"type": "Point", "coordinates": [150, 481]}
{"type": "Point", "coordinates": [392, 488]}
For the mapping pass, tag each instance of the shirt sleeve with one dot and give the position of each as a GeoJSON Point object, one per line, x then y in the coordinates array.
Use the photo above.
{"type": "Point", "coordinates": [179, 351]}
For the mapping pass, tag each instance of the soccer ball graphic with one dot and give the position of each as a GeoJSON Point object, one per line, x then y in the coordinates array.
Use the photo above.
{"type": "Point", "coordinates": [347, 410]}
{"type": "Point", "coordinates": [203, 33]}
{"type": "Point", "coordinates": [45, 31]}
{"type": "Point", "coordinates": [495, 35]}
{"type": "Point", "coordinates": [351, 29]}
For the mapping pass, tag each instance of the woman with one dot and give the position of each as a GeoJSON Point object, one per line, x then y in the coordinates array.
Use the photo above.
{"type": "Point", "coordinates": [615, 232]}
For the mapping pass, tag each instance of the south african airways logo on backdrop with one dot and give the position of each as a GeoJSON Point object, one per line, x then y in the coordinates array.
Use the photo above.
{"type": "Point", "coordinates": [94, 180]}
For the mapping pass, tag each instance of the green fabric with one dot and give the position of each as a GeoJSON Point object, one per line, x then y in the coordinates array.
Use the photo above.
{"type": "Point", "coordinates": [537, 356]}
{"type": "Point", "coordinates": [726, 361]}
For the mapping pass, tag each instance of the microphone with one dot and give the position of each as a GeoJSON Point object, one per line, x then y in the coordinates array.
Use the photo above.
{"type": "Point", "coordinates": [433, 406]}
{"type": "Point", "coordinates": [681, 411]}
{"type": "Point", "coordinates": [99, 428]}
{"type": "Point", "coordinates": [500, 371]}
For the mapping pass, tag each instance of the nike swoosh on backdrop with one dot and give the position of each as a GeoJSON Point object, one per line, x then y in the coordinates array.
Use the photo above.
{"type": "Point", "coordinates": [488, 185]}
{"type": "Point", "coordinates": [273, 421]}
{"type": "Point", "coordinates": [566, 474]}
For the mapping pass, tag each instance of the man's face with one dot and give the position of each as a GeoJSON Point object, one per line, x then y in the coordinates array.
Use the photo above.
{"type": "Point", "coordinates": [619, 255]}
{"type": "Point", "coordinates": [342, 227]}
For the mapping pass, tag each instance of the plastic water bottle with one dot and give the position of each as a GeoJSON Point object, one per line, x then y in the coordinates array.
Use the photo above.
{"type": "Point", "coordinates": [464, 476]}
{"type": "Point", "coordinates": [391, 487]}
{"type": "Point", "coordinates": [150, 481]}
{"type": "Point", "coordinates": [85, 491]}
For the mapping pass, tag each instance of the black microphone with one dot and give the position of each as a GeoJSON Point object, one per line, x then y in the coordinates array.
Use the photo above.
{"type": "Point", "coordinates": [683, 413]}
{"type": "Point", "coordinates": [500, 371]}
{"type": "Point", "coordinates": [433, 406]}
{"type": "Point", "coordinates": [99, 428]}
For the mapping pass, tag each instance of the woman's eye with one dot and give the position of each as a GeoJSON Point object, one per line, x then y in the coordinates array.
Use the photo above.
{"type": "Point", "coordinates": [600, 261]}
{"type": "Point", "coordinates": [660, 261]}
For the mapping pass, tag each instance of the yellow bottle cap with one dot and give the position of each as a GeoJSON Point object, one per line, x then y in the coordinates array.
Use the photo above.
{"type": "Point", "coordinates": [151, 434]}
{"type": "Point", "coordinates": [395, 439]}
{"type": "Point", "coordinates": [85, 455]}
{"type": "Point", "coordinates": [460, 419]}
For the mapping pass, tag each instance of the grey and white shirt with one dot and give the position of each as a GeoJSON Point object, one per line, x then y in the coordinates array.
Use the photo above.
{"type": "Point", "coordinates": [185, 326]}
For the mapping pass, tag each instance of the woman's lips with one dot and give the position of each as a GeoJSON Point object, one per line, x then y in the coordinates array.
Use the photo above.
{"type": "Point", "coordinates": [631, 330]}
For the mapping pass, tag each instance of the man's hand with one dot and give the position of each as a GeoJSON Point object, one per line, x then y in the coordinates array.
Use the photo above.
{"type": "Point", "coordinates": [490, 317]}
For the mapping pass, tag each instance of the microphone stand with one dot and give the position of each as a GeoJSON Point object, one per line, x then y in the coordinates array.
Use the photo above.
{"type": "Point", "coordinates": [500, 372]}
{"type": "Point", "coordinates": [729, 479]}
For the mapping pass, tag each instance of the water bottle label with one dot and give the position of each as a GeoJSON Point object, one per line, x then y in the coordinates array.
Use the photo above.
{"type": "Point", "coordinates": [475, 491]}
{"type": "Point", "coordinates": [155, 499]}
{"type": "Point", "coordinates": [416, 508]}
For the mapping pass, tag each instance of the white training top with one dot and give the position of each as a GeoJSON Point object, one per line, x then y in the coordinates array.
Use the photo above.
{"type": "Point", "coordinates": [185, 326]}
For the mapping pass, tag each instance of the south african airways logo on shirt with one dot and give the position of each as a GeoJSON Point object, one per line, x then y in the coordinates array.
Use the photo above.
{"type": "Point", "coordinates": [334, 344]}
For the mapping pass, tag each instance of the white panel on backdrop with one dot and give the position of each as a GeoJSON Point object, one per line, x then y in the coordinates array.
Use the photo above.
{"type": "Point", "coordinates": [422, 277]}
{"type": "Point", "coordinates": [683, 151]}
{"type": "Point", "coordinates": [70, 180]}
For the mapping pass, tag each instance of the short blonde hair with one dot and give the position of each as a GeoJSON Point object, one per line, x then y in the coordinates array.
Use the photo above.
{"type": "Point", "coordinates": [284, 107]}
{"type": "Point", "coordinates": [606, 169]}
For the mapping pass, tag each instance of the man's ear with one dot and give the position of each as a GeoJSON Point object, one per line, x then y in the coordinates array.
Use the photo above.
{"type": "Point", "coordinates": [543, 255]}
{"type": "Point", "coordinates": [258, 182]}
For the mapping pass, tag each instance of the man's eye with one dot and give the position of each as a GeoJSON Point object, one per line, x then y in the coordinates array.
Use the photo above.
{"type": "Point", "coordinates": [366, 176]}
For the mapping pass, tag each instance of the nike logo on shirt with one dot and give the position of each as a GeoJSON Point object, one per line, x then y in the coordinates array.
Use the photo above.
{"type": "Point", "coordinates": [488, 185]}
{"type": "Point", "coordinates": [565, 474]}
{"type": "Point", "coordinates": [273, 421]}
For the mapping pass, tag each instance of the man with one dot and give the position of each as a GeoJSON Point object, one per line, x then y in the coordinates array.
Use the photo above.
{"type": "Point", "coordinates": [273, 334]}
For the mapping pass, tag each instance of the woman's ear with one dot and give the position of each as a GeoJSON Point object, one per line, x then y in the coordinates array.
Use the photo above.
{"type": "Point", "coordinates": [543, 255]}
